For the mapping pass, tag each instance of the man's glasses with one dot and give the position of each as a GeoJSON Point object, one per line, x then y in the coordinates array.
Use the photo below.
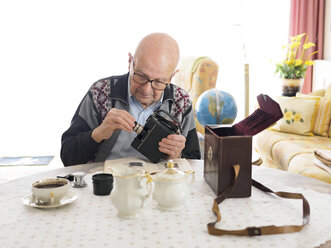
{"type": "Point", "coordinates": [143, 79]}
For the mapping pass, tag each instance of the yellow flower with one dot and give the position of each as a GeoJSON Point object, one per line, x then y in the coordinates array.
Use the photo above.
{"type": "Point", "coordinates": [290, 62]}
{"type": "Point", "coordinates": [288, 115]}
{"type": "Point", "coordinates": [290, 54]}
{"type": "Point", "coordinates": [284, 46]}
{"type": "Point", "coordinates": [299, 37]}
{"type": "Point", "coordinates": [309, 62]}
{"type": "Point", "coordinates": [308, 45]}
{"type": "Point", "coordinates": [297, 117]}
{"type": "Point", "coordinates": [298, 62]}
{"type": "Point", "coordinates": [295, 44]}
{"type": "Point", "coordinates": [311, 54]}
{"type": "Point", "coordinates": [293, 38]}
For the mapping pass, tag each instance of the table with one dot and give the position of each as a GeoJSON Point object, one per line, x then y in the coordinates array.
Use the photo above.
{"type": "Point", "coordinates": [91, 220]}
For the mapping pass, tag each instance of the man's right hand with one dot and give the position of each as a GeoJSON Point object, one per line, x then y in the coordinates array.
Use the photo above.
{"type": "Point", "coordinates": [115, 119]}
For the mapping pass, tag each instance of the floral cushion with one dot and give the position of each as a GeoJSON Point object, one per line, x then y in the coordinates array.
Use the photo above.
{"type": "Point", "coordinates": [323, 115]}
{"type": "Point", "coordinates": [299, 115]}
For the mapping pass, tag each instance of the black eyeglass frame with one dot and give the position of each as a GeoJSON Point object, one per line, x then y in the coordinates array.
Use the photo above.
{"type": "Point", "coordinates": [151, 80]}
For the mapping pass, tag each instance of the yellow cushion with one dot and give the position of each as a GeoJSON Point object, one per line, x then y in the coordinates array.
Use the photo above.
{"type": "Point", "coordinates": [328, 94]}
{"type": "Point", "coordinates": [328, 91]}
{"type": "Point", "coordinates": [320, 92]}
{"type": "Point", "coordinates": [329, 131]}
{"type": "Point", "coordinates": [323, 115]}
{"type": "Point", "coordinates": [299, 115]}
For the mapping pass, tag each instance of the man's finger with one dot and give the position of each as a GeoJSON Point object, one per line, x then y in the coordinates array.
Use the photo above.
{"type": "Point", "coordinates": [124, 121]}
{"type": "Point", "coordinates": [124, 126]}
{"type": "Point", "coordinates": [170, 152]}
{"type": "Point", "coordinates": [176, 137]}
{"type": "Point", "coordinates": [168, 146]}
{"type": "Point", "coordinates": [170, 142]}
{"type": "Point", "coordinates": [127, 115]}
{"type": "Point", "coordinates": [119, 112]}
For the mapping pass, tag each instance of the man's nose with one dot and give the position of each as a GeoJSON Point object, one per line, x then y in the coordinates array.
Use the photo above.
{"type": "Point", "coordinates": [147, 87]}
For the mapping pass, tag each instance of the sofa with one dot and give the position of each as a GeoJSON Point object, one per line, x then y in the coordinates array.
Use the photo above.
{"type": "Point", "coordinates": [291, 148]}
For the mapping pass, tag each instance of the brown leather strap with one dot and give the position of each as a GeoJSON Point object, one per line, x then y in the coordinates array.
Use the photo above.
{"type": "Point", "coordinates": [262, 230]}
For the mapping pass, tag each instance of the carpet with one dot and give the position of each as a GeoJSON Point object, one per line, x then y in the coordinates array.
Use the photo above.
{"type": "Point", "coordinates": [25, 161]}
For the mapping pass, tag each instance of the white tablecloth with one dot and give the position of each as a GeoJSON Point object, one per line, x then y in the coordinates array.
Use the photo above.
{"type": "Point", "coordinates": [91, 220]}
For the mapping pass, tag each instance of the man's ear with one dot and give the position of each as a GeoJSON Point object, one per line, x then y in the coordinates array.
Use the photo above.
{"type": "Point", "coordinates": [173, 74]}
{"type": "Point", "coordinates": [130, 60]}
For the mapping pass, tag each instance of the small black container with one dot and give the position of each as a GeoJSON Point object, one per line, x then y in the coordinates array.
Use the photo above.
{"type": "Point", "coordinates": [102, 183]}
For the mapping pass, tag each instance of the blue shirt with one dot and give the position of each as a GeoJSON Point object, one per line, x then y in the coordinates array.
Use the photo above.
{"type": "Point", "coordinates": [122, 147]}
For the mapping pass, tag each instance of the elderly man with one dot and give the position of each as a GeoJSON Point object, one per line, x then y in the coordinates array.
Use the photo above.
{"type": "Point", "coordinates": [101, 128]}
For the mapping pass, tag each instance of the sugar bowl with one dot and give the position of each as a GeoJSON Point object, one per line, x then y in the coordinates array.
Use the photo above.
{"type": "Point", "coordinates": [171, 189]}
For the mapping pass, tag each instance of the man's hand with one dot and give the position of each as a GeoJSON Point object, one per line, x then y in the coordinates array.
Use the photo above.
{"type": "Point", "coordinates": [115, 119]}
{"type": "Point", "coordinates": [172, 145]}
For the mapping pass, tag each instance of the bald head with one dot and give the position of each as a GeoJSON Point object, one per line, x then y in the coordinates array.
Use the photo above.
{"type": "Point", "coordinates": [156, 58]}
{"type": "Point", "coordinates": [160, 49]}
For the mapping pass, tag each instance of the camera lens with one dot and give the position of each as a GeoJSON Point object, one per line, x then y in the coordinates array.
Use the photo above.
{"type": "Point", "coordinates": [137, 127]}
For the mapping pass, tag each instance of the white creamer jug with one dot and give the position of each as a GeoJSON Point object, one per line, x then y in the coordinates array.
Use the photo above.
{"type": "Point", "coordinates": [131, 188]}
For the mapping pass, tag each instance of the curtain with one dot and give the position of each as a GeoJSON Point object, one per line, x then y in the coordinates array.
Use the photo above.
{"type": "Point", "coordinates": [307, 16]}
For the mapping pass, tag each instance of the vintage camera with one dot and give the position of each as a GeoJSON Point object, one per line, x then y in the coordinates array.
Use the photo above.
{"type": "Point", "coordinates": [148, 137]}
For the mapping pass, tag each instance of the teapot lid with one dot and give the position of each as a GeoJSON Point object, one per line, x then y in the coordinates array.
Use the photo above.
{"type": "Point", "coordinates": [171, 173]}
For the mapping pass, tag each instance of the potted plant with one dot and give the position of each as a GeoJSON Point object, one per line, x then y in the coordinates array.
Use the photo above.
{"type": "Point", "coordinates": [293, 69]}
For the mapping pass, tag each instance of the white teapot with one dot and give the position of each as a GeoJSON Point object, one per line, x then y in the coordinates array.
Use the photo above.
{"type": "Point", "coordinates": [171, 188]}
{"type": "Point", "coordinates": [132, 187]}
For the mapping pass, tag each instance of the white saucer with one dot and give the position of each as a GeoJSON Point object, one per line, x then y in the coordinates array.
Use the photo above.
{"type": "Point", "coordinates": [162, 208]}
{"type": "Point", "coordinates": [29, 200]}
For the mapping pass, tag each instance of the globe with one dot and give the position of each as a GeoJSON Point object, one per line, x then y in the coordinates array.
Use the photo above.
{"type": "Point", "coordinates": [206, 108]}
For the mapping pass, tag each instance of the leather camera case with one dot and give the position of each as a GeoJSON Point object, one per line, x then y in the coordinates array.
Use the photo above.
{"type": "Point", "coordinates": [223, 149]}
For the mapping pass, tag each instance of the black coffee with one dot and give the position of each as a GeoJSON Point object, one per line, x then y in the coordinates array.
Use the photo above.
{"type": "Point", "coordinates": [49, 185]}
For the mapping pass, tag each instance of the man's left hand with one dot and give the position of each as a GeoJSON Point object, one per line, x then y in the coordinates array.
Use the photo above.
{"type": "Point", "coordinates": [172, 145]}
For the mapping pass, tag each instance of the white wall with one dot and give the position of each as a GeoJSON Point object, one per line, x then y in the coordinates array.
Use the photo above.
{"type": "Point", "coordinates": [327, 31]}
{"type": "Point", "coordinates": [52, 51]}
{"type": "Point", "coordinates": [322, 68]}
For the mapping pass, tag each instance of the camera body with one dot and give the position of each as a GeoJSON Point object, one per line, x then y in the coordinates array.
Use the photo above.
{"type": "Point", "coordinates": [148, 137]}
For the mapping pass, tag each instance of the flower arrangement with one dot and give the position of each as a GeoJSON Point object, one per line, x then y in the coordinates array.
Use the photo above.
{"type": "Point", "coordinates": [297, 60]}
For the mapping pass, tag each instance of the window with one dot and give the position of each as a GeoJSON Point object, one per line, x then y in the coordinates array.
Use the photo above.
{"type": "Point", "coordinates": [51, 53]}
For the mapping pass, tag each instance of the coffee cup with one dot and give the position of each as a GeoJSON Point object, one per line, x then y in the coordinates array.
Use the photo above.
{"type": "Point", "coordinates": [49, 191]}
